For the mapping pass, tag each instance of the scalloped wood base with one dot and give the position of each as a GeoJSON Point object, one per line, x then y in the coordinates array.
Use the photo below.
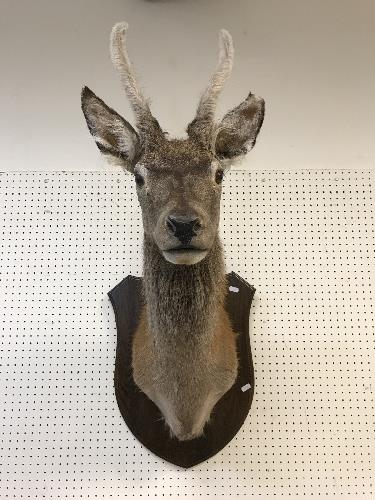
{"type": "Point", "coordinates": [144, 418]}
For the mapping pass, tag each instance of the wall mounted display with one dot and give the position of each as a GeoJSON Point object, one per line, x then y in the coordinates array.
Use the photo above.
{"type": "Point", "coordinates": [184, 379]}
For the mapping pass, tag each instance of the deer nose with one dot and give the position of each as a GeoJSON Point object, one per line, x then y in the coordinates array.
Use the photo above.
{"type": "Point", "coordinates": [183, 228]}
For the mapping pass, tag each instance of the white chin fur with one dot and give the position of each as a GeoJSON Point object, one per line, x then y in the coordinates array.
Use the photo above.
{"type": "Point", "coordinates": [186, 258]}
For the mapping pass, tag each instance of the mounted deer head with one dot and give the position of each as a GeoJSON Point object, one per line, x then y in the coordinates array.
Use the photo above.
{"type": "Point", "coordinates": [178, 180]}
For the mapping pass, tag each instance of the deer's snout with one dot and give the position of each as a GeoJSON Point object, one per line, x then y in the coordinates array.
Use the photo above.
{"type": "Point", "coordinates": [183, 228]}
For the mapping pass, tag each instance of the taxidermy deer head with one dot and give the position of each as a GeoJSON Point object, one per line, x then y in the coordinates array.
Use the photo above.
{"type": "Point", "coordinates": [178, 180]}
{"type": "Point", "coordinates": [184, 351]}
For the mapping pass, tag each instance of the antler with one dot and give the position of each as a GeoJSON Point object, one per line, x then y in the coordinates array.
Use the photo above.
{"type": "Point", "coordinates": [203, 121]}
{"type": "Point", "coordinates": [120, 60]}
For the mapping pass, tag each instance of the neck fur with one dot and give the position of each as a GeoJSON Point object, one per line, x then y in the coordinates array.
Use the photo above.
{"type": "Point", "coordinates": [183, 302]}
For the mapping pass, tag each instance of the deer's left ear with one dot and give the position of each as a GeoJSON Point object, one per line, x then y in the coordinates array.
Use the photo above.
{"type": "Point", "coordinates": [239, 128]}
{"type": "Point", "coordinates": [114, 136]}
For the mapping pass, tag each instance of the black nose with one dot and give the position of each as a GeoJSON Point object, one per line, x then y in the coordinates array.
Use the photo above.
{"type": "Point", "coordinates": [183, 228]}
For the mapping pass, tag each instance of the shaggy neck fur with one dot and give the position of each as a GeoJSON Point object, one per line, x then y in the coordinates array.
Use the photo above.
{"type": "Point", "coordinates": [183, 302]}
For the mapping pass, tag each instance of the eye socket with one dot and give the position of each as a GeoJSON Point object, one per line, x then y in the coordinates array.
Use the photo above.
{"type": "Point", "coordinates": [219, 176]}
{"type": "Point", "coordinates": [139, 180]}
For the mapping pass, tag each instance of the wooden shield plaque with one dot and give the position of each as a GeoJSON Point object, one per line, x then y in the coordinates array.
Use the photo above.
{"type": "Point", "coordinates": [143, 417]}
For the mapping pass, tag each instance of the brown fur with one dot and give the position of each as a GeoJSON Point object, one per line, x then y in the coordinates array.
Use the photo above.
{"type": "Point", "coordinates": [186, 360]}
{"type": "Point", "coordinates": [184, 355]}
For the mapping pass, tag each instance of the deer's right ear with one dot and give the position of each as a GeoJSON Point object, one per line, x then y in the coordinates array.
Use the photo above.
{"type": "Point", "coordinates": [114, 136]}
{"type": "Point", "coordinates": [239, 128]}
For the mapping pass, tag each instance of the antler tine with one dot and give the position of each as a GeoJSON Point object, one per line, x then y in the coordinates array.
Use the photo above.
{"type": "Point", "coordinates": [121, 62]}
{"type": "Point", "coordinates": [207, 104]}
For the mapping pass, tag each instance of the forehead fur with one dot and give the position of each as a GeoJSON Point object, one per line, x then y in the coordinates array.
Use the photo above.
{"type": "Point", "coordinates": [183, 154]}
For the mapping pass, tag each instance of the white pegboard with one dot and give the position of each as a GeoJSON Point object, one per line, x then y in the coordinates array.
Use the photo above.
{"type": "Point", "coordinates": [304, 239]}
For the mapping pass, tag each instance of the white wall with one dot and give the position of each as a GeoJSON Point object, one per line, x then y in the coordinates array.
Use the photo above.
{"type": "Point", "coordinates": [313, 62]}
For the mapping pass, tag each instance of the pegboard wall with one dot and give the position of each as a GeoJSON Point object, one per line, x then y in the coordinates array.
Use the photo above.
{"type": "Point", "coordinates": [304, 239]}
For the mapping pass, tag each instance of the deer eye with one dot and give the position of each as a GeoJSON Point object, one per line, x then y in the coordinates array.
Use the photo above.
{"type": "Point", "coordinates": [219, 176]}
{"type": "Point", "coordinates": [139, 180]}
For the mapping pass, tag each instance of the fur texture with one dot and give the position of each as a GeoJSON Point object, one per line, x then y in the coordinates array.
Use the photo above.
{"type": "Point", "coordinates": [184, 355]}
{"type": "Point", "coordinates": [146, 123]}
{"type": "Point", "coordinates": [201, 127]}
{"type": "Point", "coordinates": [184, 351]}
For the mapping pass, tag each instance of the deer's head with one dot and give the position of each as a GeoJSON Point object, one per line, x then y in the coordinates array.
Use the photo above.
{"type": "Point", "coordinates": [178, 180]}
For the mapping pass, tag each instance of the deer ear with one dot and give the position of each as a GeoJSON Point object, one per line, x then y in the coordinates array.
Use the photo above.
{"type": "Point", "coordinates": [114, 136]}
{"type": "Point", "coordinates": [239, 128]}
